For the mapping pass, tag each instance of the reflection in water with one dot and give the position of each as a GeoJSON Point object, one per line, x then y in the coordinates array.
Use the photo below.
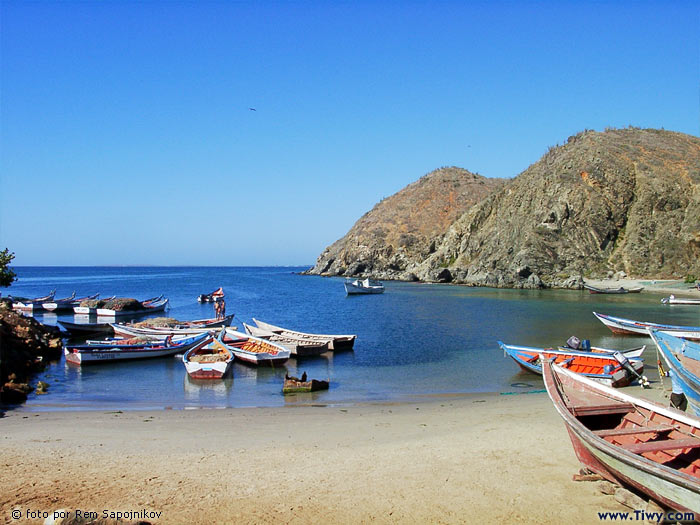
{"type": "Point", "coordinates": [208, 391]}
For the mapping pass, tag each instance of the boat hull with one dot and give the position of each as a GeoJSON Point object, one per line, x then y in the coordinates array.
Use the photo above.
{"type": "Point", "coordinates": [687, 380]}
{"type": "Point", "coordinates": [611, 450]}
{"type": "Point", "coordinates": [619, 325]}
{"type": "Point", "coordinates": [336, 343]}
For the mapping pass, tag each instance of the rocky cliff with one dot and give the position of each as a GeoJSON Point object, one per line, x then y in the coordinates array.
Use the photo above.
{"type": "Point", "coordinates": [620, 200]}
{"type": "Point", "coordinates": [403, 230]}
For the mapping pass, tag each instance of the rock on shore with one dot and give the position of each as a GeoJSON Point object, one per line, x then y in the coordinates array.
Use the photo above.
{"type": "Point", "coordinates": [25, 347]}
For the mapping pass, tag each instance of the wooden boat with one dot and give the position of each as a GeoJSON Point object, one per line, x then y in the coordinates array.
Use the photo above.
{"type": "Point", "coordinates": [253, 350]}
{"type": "Point", "coordinates": [123, 349]}
{"type": "Point", "coordinates": [79, 329]}
{"type": "Point", "coordinates": [672, 299]}
{"type": "Point", "coordinates": [618, 325]}
{"type": "Point", "coordinates": [196, 327]}
{"type": "Point", "coordinates": [86, 310]}
{"type": "Point", "coordinates": [363, 286]}
{"type": "Point", "coordinates": [68, 303]}
{"type": "Point", "coordinates": [210, 297]}
{"type": "Point", "coordinates": [30, 305]}
{"type": "Point", "coordinates": [621, 289]}
{"type": "Point", "coordinates": [629, 441]}
{"type": "Point", "coordinates": [147, 307]}
{"type": "Point", "coordinates": [294, 385]}
{"type": "Point", "coordinates": [683, 358]}
{"type": "Point", "coordinates": [335, 342]}
{"type": "Point", "coordinates": [210, 361]}
{"type": "Point", "coordinates": [636, 351]}
{"type": "Point", "coordinates": [613, 370]}
{"type": "Point", "coordinates": [298, 346]}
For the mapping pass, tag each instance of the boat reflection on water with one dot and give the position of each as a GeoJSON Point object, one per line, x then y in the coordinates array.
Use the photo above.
{"type": "Point", "coordinates": [208, 390]}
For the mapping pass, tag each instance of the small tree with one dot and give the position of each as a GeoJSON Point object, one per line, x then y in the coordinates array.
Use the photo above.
{"type": "Point", "coordinates": [7, 276]}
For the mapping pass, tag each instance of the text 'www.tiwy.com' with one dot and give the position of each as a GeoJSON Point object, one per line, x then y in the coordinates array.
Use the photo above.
{"type": "Point", "coordinates": [643, 515]}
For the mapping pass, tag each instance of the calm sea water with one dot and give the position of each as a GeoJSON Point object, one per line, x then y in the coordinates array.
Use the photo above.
{"type": "Point", "coordinates": [414, 340]}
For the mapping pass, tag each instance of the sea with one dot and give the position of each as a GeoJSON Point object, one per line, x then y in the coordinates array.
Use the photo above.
{"type": "Point", "coordinates": [415, 341]}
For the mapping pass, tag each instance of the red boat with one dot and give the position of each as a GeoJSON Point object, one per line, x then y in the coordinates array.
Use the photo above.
{"type": "Point", "coordinates": [630, 441]}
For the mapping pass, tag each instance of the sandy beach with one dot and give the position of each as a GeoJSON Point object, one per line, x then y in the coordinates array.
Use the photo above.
{"type": "Point", "coordinates": [656, 286]}
{"type": "Point", "coordinates": [487, 458]}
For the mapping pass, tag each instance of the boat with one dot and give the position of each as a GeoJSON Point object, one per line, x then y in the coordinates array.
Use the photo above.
{"type": "Point", "coordinates": [196, 327]}
{"type": "Point", "coordinates": [67, 303]}
{"type": "Point", "coordinates": [363, 286]}
{"type": "Point", "coordinates": [629, 441]}
{"type": "Point", "coordinates": [618, 325]}
{"type": "Point", "coordinates": [123, 349]}
{"type": "Point", "coordinates": [335, 342]}
{"type": "Point", "coordinates": [672, 299]}
{"type": "Point", "coordinates": [210, 297]}
{"type": "Point", "coordinates": [614, 370]}
{"type": "Point", "coordinates": [253, 350]}
{"type": "Point", "coordinates": [298, 346]}
{"type": "Point", "coordinates": [210, 361]}
{"type": "Point", "coordinates": [88, 310]}
{"type": "Point", "coordinates": [621, 289]}
{"type": "Point", "coordinates": [30, 305]}
{"type": "Point", "coordinates": [683, 358]}
{"type": "Point", "coordinates": [294, 385]}
{"type": "Point", "coordinates": [150, 306]}
{"type": "Point", "coordinates": [636, 351]}
{"type": "Point", "coordinates": [80, 329]}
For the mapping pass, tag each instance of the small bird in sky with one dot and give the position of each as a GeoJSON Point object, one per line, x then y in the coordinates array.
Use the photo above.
{"type": "Point", "coordinates": [252, 109]}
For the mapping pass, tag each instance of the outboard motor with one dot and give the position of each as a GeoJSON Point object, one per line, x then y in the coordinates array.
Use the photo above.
{"type": "Point", "coordinates": [573, 342]}
{"type": "Point", "coordinates": [625, 363]}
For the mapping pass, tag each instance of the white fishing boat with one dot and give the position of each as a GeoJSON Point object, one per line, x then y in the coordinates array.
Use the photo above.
{"type": "Point", "coordinates": [298, 346]}
{"type": "Point", "coordinates": [210, 361]}
{"type": "Point", "coordinates": [363, 286]}
{"type": "Point", "coordinates": [618, 325]}
{"type": "Point", "coordinates": [335, 342]}
{"type": "Point", "coordinates": [253, 350]}
{"type": "Point", "coordinates": [672, 299]}
{"type": "Point", "coordinates": [197, 327]}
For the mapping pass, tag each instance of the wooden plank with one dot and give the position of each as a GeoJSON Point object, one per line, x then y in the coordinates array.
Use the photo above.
{"type": "Point", "coordinates": [597, 410]}
{"type": "Point", "coordinates": [668, 444]}
{"type": "Point", "coordinates": [635, 430]}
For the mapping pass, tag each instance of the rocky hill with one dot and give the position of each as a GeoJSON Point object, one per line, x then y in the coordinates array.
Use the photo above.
{"type": "Point", "coordinates": [620, 200]}
{"type": "Point", "coordinates": [403, 230]}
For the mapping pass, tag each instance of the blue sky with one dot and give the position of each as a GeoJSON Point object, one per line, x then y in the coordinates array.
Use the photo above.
{"type": "Point", "coordinates": [127, 137]}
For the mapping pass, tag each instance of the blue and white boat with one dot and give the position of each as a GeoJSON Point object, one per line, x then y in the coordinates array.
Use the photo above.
{"type": "Point", "coordinates": [683, 358]}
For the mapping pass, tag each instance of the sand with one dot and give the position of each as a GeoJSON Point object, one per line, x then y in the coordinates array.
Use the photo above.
{"type": "Point", "coordinates": [661, 287]}
{"type": "Point", "coordinates": [478, 458]}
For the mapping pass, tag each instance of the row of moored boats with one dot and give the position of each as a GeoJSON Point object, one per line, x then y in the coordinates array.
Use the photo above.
{"type": "Point", "coordinates": [90, 305]}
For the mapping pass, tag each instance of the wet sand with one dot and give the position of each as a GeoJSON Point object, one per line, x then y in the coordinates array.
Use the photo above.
{"type": "Point", "coordinates": [478, 458]}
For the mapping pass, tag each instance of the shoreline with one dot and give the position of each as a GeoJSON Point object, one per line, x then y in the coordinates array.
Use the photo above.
{"type": "Point", "coordinates": [501, 458]}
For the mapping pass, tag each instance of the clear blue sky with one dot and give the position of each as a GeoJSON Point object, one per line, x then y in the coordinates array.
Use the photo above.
{"type": "Point", "coordinates": [127, 136]}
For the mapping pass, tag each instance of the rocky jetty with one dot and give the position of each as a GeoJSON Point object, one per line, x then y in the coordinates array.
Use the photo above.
{"type": "Point", "coordinates": [401, 232]}
{"type": "Point", "coordinates": [622, 201]}
{"type": "Point", "coordinates": [26, 346]}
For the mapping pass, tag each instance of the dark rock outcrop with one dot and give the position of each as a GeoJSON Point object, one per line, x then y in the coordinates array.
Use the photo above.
{"type": "Point", "coordinates": [624, 200]}
{"type": "Point", "coordinates": [403, 230]}
{"type": "Point", "coordinates": [25, 347]}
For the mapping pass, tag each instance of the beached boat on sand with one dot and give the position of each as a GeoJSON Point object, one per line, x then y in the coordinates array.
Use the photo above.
{"type": "Point", "coordinates": [335, 342]}
{"type": "Point", "coordinates": [210, 361]}
{"type": "Point", "coordinates": [682, 357]}
{"type": "Point", "coordinates": [298, 346]}
{"type": "Point", "coordinates": [196, 327]}
{"type": "Point", "coordinates": [629, 441]}
{"type": "Point", "coordinates": [120, 349]}
{"type": "Point", "coordinates": [613, 370]}
{"type": "Point", "coordinates": [621, 289]}
{"type": "Point", "coordinates": [618, 325]}
{"type": "Point", "coordinates": [363, 286]}
{"type": "Point", "coordinates": [253, 350]}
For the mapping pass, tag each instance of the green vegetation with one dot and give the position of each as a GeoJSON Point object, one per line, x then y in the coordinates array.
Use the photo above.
{"type": "Point", "coordinates": [690, 279]}
{"type": "Point", "coordinates": [7, 276]}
